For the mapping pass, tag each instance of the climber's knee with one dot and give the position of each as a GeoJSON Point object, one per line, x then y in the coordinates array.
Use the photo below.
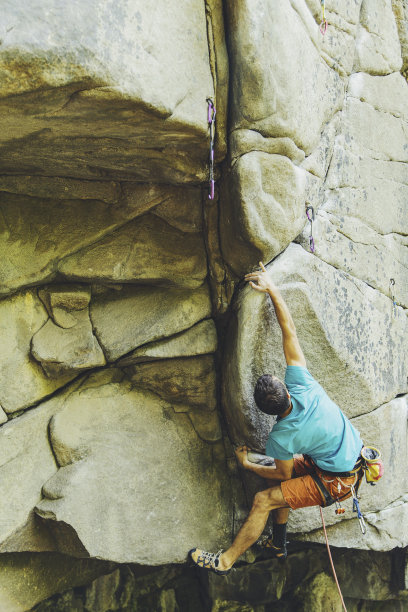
{"type": "Point", "coordinates": [268, 500]}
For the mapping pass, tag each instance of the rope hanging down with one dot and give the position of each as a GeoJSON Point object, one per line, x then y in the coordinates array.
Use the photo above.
{"type": "Point", "coordinates": [331, 561]}
{"type": "Point", "coordinates": [211, 123]}
{"type": "Point", "coordinates": [323, 23]}
{"type": "Point", "coordinates": [310, 214]}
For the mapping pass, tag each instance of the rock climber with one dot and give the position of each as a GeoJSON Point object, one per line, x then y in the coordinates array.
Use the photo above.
{"type": "Point", "coordinates": [310, 425]}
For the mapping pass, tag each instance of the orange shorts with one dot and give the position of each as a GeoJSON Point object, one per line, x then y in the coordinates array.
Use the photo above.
{"type": "Point", "coordinates": [302, 491]}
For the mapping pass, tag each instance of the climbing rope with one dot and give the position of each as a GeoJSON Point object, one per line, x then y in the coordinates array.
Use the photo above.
{"type": "Point", "coordinates": [211, 124]}
{"type": "Point", "coordinates": [394, 303]}
{"type": "Point", "coordinates": [310, 214]}
{"type": "Point", "coordinates": [323, 23]}
{"type": "Point", "coordinates": [331, 561]}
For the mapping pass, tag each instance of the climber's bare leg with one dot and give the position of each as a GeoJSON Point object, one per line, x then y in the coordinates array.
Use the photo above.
{"type": "Point", "coordinates": [264, 502]}
{"type": "Point", "coordinates": [280, 515]}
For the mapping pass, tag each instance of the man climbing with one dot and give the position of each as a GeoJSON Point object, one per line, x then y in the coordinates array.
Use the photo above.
{"type": "Point", "coordinates": [308, 423]}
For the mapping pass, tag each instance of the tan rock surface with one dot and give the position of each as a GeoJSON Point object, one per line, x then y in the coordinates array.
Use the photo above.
{"type": "Point", "coordinates": [118, 99]}
{"type": "Point", "coordinates": [109, 432]}
{"type": "Point", "coordinates": [189, 381]}
{"type": "Point", "coordinates": [198, 340]}
{"type": "Point", "coordinates": [67, 351]}
{"type": "Point", "coordinates": [147, 250]}
{"type": "Point", "coordinates": [36, 233]}
{"type": "Point", "coordinates": [23, 382]}
{"type": "Point", "coordinates": [145, 314]}
{"type": "Point", "coordinates": [263, 211]}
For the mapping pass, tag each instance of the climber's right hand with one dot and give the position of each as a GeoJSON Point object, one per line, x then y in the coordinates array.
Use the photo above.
{"type": "Point", "coordinates": [242, 455]}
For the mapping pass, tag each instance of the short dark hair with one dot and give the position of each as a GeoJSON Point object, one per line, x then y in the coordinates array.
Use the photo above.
{"type": "Point", "coordinates": [271, 395]}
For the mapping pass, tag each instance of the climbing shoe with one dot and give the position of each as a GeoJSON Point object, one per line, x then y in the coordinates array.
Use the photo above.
{"type": "Point", "coordinates": [267, 545]}
{"type": "Point", "coordinates": [208, 561]}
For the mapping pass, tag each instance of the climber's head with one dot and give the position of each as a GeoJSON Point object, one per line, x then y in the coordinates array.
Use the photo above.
{"type": "Point", "coordinates": [271, 395]}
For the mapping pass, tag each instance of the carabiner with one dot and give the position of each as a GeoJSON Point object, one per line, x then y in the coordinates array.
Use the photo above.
{"type": "Point", "coordinates": [211, 111]}
{"type": "Point", "coordinates": [312, 217]}
{"type": "Point", "coordinates": [356, 508]}
{"type": "Point", "coordinates": [323, 27]}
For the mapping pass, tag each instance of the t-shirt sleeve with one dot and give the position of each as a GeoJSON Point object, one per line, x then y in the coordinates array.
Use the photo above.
{"type": "Point", "coordinates": [275, 450]}
{"type": "Point", "coordinates": [298, 378]}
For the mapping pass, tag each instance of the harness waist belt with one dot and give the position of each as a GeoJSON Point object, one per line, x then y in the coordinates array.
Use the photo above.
{"type": "Point", "coordinates": [358, 466]}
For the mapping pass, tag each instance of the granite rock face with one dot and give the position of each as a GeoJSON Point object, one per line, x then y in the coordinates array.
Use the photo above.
{"type": "Point", "coordinates": [129, 346]}
{"type": "Point", "coordinates": [134, 443]}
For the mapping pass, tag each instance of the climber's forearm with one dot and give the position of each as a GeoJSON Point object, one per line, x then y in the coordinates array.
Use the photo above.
{"type": "Point", "coordinates": [291, 346]}
{"type": "Point", "coordinates": [269, 472]}
{"type": "Point", "coordinates": [282, 312]}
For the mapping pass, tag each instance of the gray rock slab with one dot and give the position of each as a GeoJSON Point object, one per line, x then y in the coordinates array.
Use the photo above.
{"type": "Point", "coordinates": [26, 462]}
{"type": "Point", "coordinates": [198, 340]}
{"type": "Point", "coordinates": [67, 351]}
{"type": "Point", "coordinates": [387, 93]}
{"type": "Point", "coordinates": [386, 428]}
{"type": "Point", "coordinates": [360, 368]}
{"type": "Point", "coordinates": [348, 169]}
{"type": "Point", "coordinates": [385, 530]}
{"type": "Point", "coordinates": [147, 250]}
{"type": "Point", "coordinates": [378, 50]}
{"type": "Point", "coordinates": [369, 132]}
{"type": "Point", "coordinates": [263, 210]}
{"type": "Point", "coordinates": [189, 381]}
{"type": "Point", "coordinates": [36, 233]}
{"type": "Point", "coordinates": [184, 210]}
{"type": "Point", "coordinates": [152, 465]}
{"type": "Point", "coordinates": [144, 314]}
{"type": "Point", "coordinates": [123, 97]}
{"type": "Point", "coordinates": [347, 243]}
{"type": "Point", "coordinates": [272, 52]}
{"type": "Point", "coordinates": [23, 382]}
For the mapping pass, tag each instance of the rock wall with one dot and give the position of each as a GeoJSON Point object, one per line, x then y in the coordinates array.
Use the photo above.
{"type": "Point", "coordinates": [129, 345]}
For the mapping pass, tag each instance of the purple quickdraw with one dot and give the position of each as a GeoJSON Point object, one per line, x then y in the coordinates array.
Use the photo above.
{"type": "Point", "coordinates": [323, 23]}
{"type": "Point", "coordinates": [310, 214]}
{"type": "Point", "coordinates": [394, 303]}
{"type": "Point", "coordinates": [211, 123]}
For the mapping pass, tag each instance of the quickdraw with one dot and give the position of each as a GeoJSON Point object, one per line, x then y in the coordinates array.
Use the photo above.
{"type": "Point", "coordinates": [394, 303]}
{"type": "Point", "coordinates": [356, 508]}
{"type": "Point", "coordinates": [310, 214]}
{"type": "Point", "coordinates": [323, 23]}
{"type": "Point", "coordinates": [211, 123]}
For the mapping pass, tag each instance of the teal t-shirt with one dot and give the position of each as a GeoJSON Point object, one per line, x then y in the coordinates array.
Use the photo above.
{"type": "Point", "coordinates": [316, 426]}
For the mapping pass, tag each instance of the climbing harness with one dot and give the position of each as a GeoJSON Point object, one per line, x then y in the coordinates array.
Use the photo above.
{"type": "Point", "coordinates": [211, 123]}
{"type": "Point", "coordinates": [394, 303]}
{"type": "Point", "coordinates": [310, 214]}
{"type": "Point", "coordinates": [331, 561]}
{"type": "Point", "coordinates": [369, 463]}
{"type": "Point", "coordinates": [323, 23]}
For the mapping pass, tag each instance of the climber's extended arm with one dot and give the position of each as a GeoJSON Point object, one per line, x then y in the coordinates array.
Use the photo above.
{"type": "Point", "coordinates": [261, 281]}
{"type": "Point", "coordinates": [282, 471]}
